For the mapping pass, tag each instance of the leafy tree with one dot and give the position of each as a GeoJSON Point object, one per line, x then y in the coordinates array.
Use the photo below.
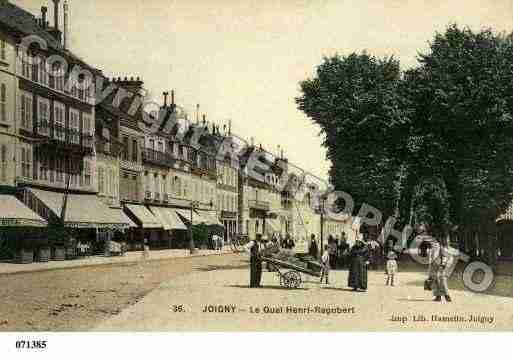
{"type": "Point", "coordinates": [356, 102]}
{"type": "Point", "coordinates": [437, 138]}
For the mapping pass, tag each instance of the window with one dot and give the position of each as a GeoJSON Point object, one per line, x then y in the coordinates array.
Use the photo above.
{"type": "Point", "coordinates": [87, 128]}
{"type": "Point", "coordinates": [152, 144]}
{"type": "Point", "coordinates": [125, 148]}
{"type": "Point", "coordinates": [43, 168]}
{"type": "Point", "coordinates": [43, 116]}
{"type": "Point", "coordinates": [74, 132]}
{"type": "Point", "coordinates": [25, 65]}
{"type": "Point", "coordinates": [164, 185]}
{"type": "Point", "coordinates": [43, 72]}
{"type": "Point", "coordinates": [160, 147]}
{"type": "Point", "coordinates": [87, 173]}
{"type": "Point", "coordinates": [58, 116]}
{"type": "Point", "coordinates": [3, 55]}
{"type": "Point", "coordinates": [58, 75]}
{"type": "Point", "coordinates": [3, 163]}
{"type": "Point", "coordinates": [26, 110]}
{"type": "Point", "coordinates": [134, 151]}
{"type": "Point", "coordinates": [59, 170]}
{"type": "Point", "coordinates": [3, 103]}
{"type": "Point", "coordinates": [101, 187]}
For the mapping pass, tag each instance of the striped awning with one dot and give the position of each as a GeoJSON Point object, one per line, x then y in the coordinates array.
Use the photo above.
{"type": "Point", "coordinates": [186, 215]}
{"type": "Point", "coordinates": [168, 218]}
{"type": "Point", "coordinates": [83, 210]}
{"type": "Point", "coordinates": [13, 213]}
{"type": "Point", "coordinates": [210, 218]}
{"type": "Point", "coordinates": [144, 216]}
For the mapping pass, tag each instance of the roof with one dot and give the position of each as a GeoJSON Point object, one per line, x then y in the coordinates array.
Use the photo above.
{"type": "Point", "coordinates": [13, 213]}
{"type": "Point", "coordinates": [22, 23]}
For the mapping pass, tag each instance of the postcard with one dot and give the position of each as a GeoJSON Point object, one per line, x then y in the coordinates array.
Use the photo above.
{"type": "Point", "coordinates": [242, 166]}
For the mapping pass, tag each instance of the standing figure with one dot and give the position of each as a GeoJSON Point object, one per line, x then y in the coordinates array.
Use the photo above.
{"type": "Point", "coordinates": [332, 249]}
{"type": "Point", "coordinates": [313, 250]}
{"type": "Point", "coordinates": [358, 259]}
{"type": "Point", "coordinates": [146, 249]}
{"type": "Point", "coordinates": [343, 247]}
{"type": "Point", "coordinates": [255, 263]}
{"type": "Point", "coordinates": [440, 265]}
{"type": "Point", "coordinates": [325, 264]}
{"type": "Point", "coordinates": [391, 267]}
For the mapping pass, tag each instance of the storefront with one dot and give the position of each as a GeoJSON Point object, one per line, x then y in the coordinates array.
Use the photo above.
{"type": "Point", "coordinates": [148, 226]}
{"type": "Point", "coordinates": [171, 223]}
{"type": "Point", "coordinates": [87, 220]}
{"type": "Point", "coordinates": [22, 232]}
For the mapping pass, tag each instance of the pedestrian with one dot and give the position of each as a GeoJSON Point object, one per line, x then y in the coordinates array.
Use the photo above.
{"type": "Point", "coordinates": [289, 243]}
{"type": "Point", "coordinates": [146, 249]}
{"type": "Point", "coordinates": [255, 263]}
{"type": "Point", "coordinates": [325, 264]}
{"type": "Point", "coordinates": [391, 267]}
{"type": "Point", "coordinates": [343, 247]}
{"type": "Point", "coordinates": [374, 253]}
{"type": "Point", "coordinates": [332, 250]}
{"type": "Point", "coordinates": [313, 250]}
{"type": "Point", "coordinates": [440, 265]}
{"type": "Point", "coordinates": [358, 261]}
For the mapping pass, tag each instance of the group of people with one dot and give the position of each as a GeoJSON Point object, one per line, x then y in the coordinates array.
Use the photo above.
{"type": "Point", "coordinates": [337, 249]}
{"type": "Point", "coordinates": [338, 253]}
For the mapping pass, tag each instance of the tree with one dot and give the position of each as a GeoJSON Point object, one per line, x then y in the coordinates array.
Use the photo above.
{"type": "Point", "coordinates": [355, 101]}
{"type": "Point", "coordinates": [439, 134]}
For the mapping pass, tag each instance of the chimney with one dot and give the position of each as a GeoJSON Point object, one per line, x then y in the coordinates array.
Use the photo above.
{"type": "Point", "coordinates": [229, 127]}
{"type": "Point", "coordinates": [197, 113]}
{"type": "Point", "coordinates": [65, 30]}
{"type": "Point", "coordinates": [56, 14]}
{"type": "Point", "coordinates": [44, 10]}
{"type": "Point", "coordinates": [252, 142]}
{"type": "Point", "coordinates": [172, 97]}
{"type": "Point", "coordinates": [204, 118]}
{"type": "Point", "coordinates": [165, 98]}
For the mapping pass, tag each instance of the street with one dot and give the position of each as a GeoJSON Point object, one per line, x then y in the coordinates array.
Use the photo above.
{"type": "Point", "coordinates": [81, 298]}
{"type": "Point", "coordinates": [218, 299]}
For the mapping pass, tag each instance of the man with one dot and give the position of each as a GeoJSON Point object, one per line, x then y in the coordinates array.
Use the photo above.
{"type": "Point", "coordinates": [441, 262]}
{"type": "Point", "coordinates": [313, 250]}
{"type": "Point", "coordinates": [255, 263]}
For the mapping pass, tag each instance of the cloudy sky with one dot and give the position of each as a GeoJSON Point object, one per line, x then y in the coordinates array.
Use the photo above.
{"type": "Point", "coordinates": [243, 59]}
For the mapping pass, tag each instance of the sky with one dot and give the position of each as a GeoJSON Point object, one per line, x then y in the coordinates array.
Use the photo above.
{"type": "Point", "coordinates": [243, 59]}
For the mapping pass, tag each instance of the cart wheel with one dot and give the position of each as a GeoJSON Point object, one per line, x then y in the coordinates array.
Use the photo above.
{"type": "Point", "coordinates": [293, 279]}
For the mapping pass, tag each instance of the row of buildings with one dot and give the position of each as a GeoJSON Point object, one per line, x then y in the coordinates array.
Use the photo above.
{"type": "Point", "coordinates": [122, 173]}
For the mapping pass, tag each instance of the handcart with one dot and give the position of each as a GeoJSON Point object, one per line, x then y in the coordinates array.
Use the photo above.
{"type": "Point", "coordinates": [290, 272]}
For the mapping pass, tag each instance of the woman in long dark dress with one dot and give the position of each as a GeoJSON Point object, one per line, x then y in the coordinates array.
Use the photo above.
{"type": "Point", "coordinates": [358, 257]}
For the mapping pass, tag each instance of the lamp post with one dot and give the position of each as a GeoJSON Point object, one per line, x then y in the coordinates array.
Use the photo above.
{"type": "Point", "coordinates": [192, 249]}
{"type": "Point", "coordinates": [322, 208]}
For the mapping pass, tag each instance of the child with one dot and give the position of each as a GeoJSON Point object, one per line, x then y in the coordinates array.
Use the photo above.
{"type": "Point", "coordinates": [325, 263]}
{"type": "Point", "coordinates": [391, 268]}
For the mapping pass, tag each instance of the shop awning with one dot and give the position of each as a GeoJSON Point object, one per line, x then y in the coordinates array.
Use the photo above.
{"type": "Point", "coordinates": [144, 216]}
{"type": "Point", "coordinates": [168, 218]}
{"type": "Point", "coordinates": [83, 210]}
{"type": "Point", "coordinates": [186, 214]}
{"type": "Point", "coordinates": [118, 214]}
{"type": "Point", "coordinates": [13, 213]}
{"type": "Point", "coordinates": [210, 218]}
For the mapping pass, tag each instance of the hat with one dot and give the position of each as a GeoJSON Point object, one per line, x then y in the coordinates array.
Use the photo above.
{"type": "Point", "coordinates": [391, 255]}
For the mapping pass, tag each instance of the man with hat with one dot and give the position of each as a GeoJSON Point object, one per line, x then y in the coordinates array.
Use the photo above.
{"type": "Point", "coordinates": [255, 263]}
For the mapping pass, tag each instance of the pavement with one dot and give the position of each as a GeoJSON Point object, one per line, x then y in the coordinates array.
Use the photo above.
{"type": "Point", "coordinates": [218, 299]}
{"type": "Point", "coordinates": [129, 257]}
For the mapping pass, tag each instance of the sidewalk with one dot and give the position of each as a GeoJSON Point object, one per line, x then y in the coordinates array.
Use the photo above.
{"type": "Point", "coordinates": [129, 257]}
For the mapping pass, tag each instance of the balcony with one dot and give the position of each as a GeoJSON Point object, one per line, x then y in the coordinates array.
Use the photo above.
{"type": "Point", "coordinates": [65, 139]}
{"type": "Point", "coordinates": [261, 205]}
{"type": "Point", "coordinates": [157, 158]}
